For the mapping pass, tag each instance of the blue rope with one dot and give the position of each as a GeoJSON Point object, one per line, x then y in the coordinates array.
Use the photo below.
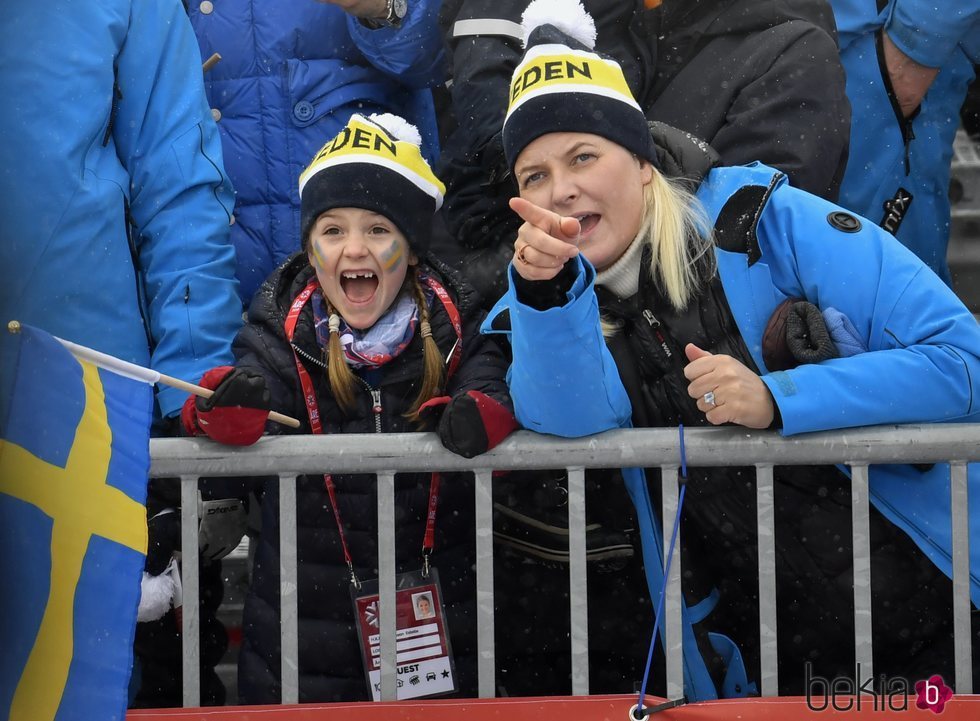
{"type": "Point", "coordinates": [663, 588]}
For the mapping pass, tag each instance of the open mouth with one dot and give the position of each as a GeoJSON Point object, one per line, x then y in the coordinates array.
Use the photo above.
{"type": "Point", "coordinates": [588, 222]}
{"type": "Point", "coordinates": [359, 286]}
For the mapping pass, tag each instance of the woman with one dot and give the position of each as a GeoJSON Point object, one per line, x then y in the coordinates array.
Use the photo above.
{"type": "Point", "coordinates": [383, 341]}
{"type": "Point", "coordinates": [663, 306]}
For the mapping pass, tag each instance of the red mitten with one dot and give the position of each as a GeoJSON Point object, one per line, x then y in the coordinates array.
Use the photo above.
{"type": "Point", "coordinates": [236, 413]}
{"type": "Point", "coordinates": [473, 423]}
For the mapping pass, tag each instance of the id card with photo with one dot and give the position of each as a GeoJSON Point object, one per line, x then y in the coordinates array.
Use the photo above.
{"type": "Point", "coordinates": [424, 658]}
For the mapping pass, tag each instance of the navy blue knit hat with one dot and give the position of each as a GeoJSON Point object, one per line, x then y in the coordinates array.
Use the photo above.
{"type": "Point", "coordinates": [561, 85]}
{"type": "Point", "coordinates": [374, 163]}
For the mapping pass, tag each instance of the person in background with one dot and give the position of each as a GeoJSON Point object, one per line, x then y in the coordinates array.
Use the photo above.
{"type": "Point", "coordinates": [115, 208]}
{"type": "Point", "coordinates": [291, 73]}
{"type": "Point", "coordinates": [671, 301]}
{"type": "Point", "coordinates": [909, 65]}
{"type": "Point", "coordinates": [359, 332]}
{"type": "Point", "coordinates": [756, 81]}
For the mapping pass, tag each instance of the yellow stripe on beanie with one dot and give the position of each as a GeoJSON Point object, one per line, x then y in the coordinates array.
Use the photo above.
{"type": "Point", "coordinates": [361, 141]}
{"type": "Point", "coordinates": [549, 68]}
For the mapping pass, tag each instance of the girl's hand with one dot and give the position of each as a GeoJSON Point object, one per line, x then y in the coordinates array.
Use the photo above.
{"type": "Point", "coordinates": [545, 242]}
{"type": "Point", "coordinates": [739, 395]}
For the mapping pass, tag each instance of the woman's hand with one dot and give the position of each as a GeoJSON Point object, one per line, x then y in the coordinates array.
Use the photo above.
{"type": "Point", "coordinates": [910, 80]}
{"type": "Point", "coordinates": [545, 242]}
{"type": "Point", "coordinates": [361, 8]}
{"type": "Point", "coordinates": [739, 395]}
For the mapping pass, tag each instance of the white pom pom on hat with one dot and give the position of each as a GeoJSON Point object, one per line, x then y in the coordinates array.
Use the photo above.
{"type": "Point", "coordinates": [399, 128]}
{"type": "Point", "coordinates": [374, 163]}
{"type": "Point", "coordinates": [563, 85]}
{"type": "Point", "coordinates": [569, 16]}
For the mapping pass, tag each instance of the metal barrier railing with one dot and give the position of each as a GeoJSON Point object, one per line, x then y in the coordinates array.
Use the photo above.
{"type": "Point", "coordinates": [290, 456]}
{"type": "Point", "coordinates": [964, 188]}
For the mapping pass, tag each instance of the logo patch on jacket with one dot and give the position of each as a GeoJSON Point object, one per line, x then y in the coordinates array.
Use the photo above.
{"type": "Point", "coordinates": [895, 210]}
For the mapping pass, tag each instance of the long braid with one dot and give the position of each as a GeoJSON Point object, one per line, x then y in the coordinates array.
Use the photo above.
{"type": "Point", "coordinates": [434, 371]}
{"type": "Point", "coordinates": [342, 381]}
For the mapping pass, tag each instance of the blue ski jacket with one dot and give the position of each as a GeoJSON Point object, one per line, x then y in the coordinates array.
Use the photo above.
{"type": "Point", "coordinates": [923, 363]}
{"type": "Point", "coordinates": [898, 171]}
{"type": "Point", "coordinates": [114, 206]}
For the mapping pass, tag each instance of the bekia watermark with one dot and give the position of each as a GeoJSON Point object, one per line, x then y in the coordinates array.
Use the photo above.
{"type": "Point", "coordinates": [843, 693]}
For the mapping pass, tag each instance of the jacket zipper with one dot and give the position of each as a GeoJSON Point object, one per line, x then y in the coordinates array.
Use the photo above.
{"type": "Point", "coordinates": [308, 357]}
{"type": "Point", "coordinates": [656, 325]}
{"type": "Point", "coordinates": [904, 124]}
{"type": "Point", "coordinates": [375, 404]}
{"type": "Point", "coordinates": [376, 407]}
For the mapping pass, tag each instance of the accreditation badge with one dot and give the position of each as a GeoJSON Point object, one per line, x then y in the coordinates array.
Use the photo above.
{"type": "Point", "coordinates": [424, 658]}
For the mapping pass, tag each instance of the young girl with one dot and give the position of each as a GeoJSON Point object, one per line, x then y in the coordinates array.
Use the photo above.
{"type": "Point", "coordinates": [358, 333]}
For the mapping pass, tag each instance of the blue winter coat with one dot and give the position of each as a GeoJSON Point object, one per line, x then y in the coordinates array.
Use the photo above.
{"type": "Point", "coordinates": [889, 152]}
{"type": "Point", "coordinates": [104, 118]}
{"type": "Point", "coordinates": [925, 345]}
{"type": "Point", "coordinates": [291, 74]}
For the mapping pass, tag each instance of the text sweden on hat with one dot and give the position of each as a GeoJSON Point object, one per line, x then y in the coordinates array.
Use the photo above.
{"type": "Point", "coordinates": [359, 138]}
{"type": "Point", "coordinates": [549, 70]}
{"type": "Point", "coordinates": [591, 74]}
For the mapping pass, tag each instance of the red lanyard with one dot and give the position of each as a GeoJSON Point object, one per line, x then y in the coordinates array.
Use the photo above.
{"type": "Point", "coordinates": [313, 411]}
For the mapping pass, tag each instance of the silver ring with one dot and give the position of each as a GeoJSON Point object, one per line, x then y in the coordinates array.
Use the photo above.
{"type": "Point", "coordinates": [709, 398]}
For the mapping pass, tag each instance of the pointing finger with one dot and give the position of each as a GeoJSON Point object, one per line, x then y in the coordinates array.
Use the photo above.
{"type": "Point", "coordinates": [563, 228]}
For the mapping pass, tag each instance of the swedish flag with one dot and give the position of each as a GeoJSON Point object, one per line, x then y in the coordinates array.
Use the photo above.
{"type": "Point", "coordinates": [74, 459]}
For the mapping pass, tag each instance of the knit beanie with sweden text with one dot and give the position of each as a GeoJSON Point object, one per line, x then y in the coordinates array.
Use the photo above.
{"type": "Point", "coordinates": [374, 163]}
{"type": "Point", "coordinates": [561, 85]}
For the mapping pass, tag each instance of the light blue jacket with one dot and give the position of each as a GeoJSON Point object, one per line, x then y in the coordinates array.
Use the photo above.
{"type": "Point", "coordinates": [291, 74]}
{"type": "Point", "coordinates": [924, 363]}
{"type": "Point", "coordinates": [887, 151]}
{"type": "Point", "coordinates": [75, 155]}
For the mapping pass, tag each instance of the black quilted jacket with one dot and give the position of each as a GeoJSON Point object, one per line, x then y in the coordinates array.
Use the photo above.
{"type": "Point", "coordinates": [330, 665]}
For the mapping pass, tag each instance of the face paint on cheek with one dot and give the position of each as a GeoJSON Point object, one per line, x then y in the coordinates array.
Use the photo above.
{"type": "Point", "coordinates": [392, 256]}
{"type": "Point", "coordinates": [318, 260]}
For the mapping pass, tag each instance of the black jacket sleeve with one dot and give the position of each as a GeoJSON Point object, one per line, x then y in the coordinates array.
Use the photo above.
{"type": "Point", "coordinates": [484, 38]}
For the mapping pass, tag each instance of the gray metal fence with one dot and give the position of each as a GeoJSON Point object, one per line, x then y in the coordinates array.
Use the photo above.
{"type": "Point", "coordinates": [288, 457]}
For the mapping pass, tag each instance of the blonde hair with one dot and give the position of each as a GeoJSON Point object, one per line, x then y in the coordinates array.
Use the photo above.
{"type": "Point", "coordinates": [342, 379]}
{"type": "Point", "coordinates": [676, 229]}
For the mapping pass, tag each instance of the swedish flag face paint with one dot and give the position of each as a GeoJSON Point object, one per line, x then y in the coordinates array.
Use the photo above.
{"type": "Point", "coordinates": [392, 257]}
{"type": "Point", "coordinates": [317, 259]}
{"type": "Point", "coordinates": [360, 261]}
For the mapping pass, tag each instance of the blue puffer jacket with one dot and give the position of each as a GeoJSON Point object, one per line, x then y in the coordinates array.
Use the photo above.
{"type": "Point", "coordinates": [291, 74]}
{"type": "Point", "coordinates": [924, 345]}
{"type": "Point", "coordinates": [114, 207]}
{"type": "Point", "coordinates": [892, 157]}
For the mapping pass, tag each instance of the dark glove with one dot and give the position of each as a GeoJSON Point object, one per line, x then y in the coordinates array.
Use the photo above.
{"type": "Point", "coordinates": [807, 335]}
{"type": "Point", "coordinates": [472, 423]}
{"type": "Point", "coordinates": [796, 334]}
{"type": "Point", "coordinates": [163, 540]}
{"type": "Point", "coordinates": [236, 413]}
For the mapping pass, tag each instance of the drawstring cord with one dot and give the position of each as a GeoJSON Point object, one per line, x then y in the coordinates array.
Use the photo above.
{"type": "Point", "coordinates": [638, 712]}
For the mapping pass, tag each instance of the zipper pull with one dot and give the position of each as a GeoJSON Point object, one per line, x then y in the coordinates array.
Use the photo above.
{"type": "Point", "coordinates": [376, 397]}
{"type": "Point", "coordinates": [655, 324]}
{"type": "Point", "coordinates": [908, 135]}
{"type": "Point", "coordinates": [651, 318]}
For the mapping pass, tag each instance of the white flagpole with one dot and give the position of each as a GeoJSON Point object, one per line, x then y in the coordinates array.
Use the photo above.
{"type": "Point", "coordinates": [145, 375]}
